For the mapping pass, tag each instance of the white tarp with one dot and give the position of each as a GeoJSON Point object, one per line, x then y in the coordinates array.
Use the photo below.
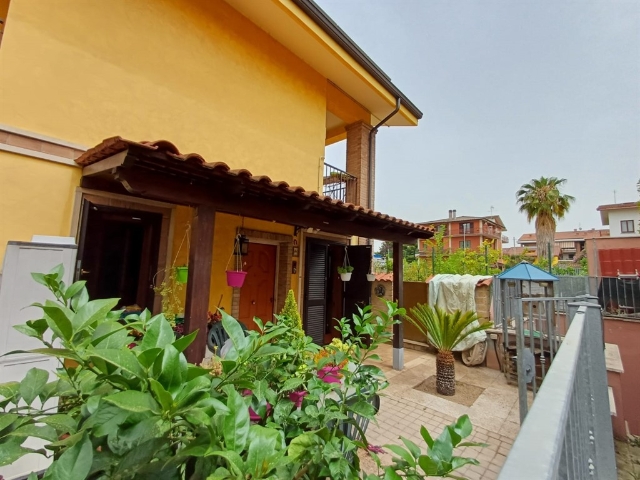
{"type": "Point", "coordinates": [457, 292]}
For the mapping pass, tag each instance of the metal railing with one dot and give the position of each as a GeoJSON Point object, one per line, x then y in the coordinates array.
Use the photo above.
{"type": "Point", "coordinates": [618, 296]}
{"type": "Point", "coordinates": [338, 184]}
{"type": "Point", "coordinates": [567, 434]}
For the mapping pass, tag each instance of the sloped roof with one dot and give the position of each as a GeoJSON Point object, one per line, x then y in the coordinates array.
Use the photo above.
{"type": "Point", "coordinates": [526, 271]}
{"type": "Point", "coordinates": [491, 218]}
{"type": "Point", "coordinates": [164, 157]}
{"type": "Point", "coordinates": [618, 206]}
{"type": "Point", "coordinates": [568, 235]}
{"type": "Point", "coordinates": [605, 209]}
{"type": "Point", "coordinates": [384, 277]}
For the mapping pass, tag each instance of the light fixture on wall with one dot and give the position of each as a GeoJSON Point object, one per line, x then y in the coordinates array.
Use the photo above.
{"type": "Point", "coordinates": [242, 245]}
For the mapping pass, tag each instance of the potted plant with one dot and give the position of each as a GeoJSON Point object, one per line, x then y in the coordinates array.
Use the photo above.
{"type": "Point", "coordinates": [235, 278]}
{"type": "Point", "coordinates": [345, 272]}
{"type": "Point", "coordinates": [346, 269]}
{"type": "Point", "coordinates": [371, 276]}
{"type": "Point", "coordinates": [170, 289]}
{"type": "Point", "coordinates": [182, 274]}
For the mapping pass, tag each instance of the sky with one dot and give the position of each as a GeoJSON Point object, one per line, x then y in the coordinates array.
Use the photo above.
{"type": "Point", "coordinates": [511, 90]}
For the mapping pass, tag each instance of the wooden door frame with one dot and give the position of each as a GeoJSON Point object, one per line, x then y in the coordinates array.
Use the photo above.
{"type": "Point", "coordinates": [282, 280]}
{"type": "Point", "coordinates": [167, 210]}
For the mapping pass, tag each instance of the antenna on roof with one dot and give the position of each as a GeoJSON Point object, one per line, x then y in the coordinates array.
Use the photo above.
{"type": "Point", "coordinates": [614, 197]}
{"type": "Point", "coordinates": [491, 208]}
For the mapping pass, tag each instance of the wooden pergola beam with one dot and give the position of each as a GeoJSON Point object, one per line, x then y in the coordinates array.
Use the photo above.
{"type": "Point", "coordinates": [199, 281]}
{"type": "Point", "coordinates": [153, 185]}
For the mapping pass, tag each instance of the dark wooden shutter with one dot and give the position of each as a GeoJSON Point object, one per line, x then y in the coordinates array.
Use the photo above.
{"type": "Point", "coordinates": [316, 291]}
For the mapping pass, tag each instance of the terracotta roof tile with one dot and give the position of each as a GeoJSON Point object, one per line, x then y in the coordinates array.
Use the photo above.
{"type": "Point", "coordinates": [114, 145]}
{"type": "Point", "coordinates": [384, 277]}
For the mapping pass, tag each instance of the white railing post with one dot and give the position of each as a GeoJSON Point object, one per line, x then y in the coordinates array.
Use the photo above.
{"type": "Point", "coordinates": [604, 462]}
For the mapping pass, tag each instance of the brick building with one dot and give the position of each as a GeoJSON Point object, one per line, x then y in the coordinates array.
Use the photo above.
{"type": "Point", "coordinates": [468, 232]}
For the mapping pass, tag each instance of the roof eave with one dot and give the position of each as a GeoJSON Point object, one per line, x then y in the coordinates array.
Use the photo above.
{"type": "Point", "coordinates": [331, 28]}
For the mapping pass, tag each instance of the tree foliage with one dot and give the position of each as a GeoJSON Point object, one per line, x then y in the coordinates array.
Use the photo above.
{"type": "Point", "coordinates": [483, 260]}
{"type": "Point", "coordinates": [542, 200]}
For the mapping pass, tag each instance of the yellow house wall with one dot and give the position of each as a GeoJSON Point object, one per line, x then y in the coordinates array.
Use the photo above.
{"type": "Point", "coordinates": [224, 234]}
{"type": "Point", "coordinates": [194, 72]}
{"type": "Point", "coordinates": [35, 198]}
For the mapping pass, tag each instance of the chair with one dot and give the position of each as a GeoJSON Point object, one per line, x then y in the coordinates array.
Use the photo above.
{"type": "Point", "coordinates": [350, 430]}
{"type": "Point", "coordinates": [217, 336]}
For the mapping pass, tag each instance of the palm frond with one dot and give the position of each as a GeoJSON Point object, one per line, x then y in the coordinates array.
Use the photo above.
{"type": "Point", "coordinates": [444, 330]}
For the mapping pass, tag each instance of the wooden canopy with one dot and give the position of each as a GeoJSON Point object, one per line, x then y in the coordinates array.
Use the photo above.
{"type": "Point", "coordinates": [158, 171]}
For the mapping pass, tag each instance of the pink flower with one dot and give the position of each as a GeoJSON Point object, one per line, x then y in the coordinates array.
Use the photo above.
{"type": "Point", "coordinates": [329, 374]}
{"type": "Point", "coordinates": [375, 449]}
{"type": "Point", "coordinates": [253, 416]}
{"type": "Point", "coordinates": [297, 397]}
{"type": "Point", "coordinates": [131, 345]}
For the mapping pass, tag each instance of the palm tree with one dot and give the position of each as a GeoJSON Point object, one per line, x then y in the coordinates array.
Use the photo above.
{"type": "Point", "coordinates": [444, 331]}
{"type": "Point", "coordinates": [541, 199]}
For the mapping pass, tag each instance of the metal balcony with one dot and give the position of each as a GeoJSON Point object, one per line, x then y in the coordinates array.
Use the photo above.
{"type": "Point", "coordinates": [338, 184]}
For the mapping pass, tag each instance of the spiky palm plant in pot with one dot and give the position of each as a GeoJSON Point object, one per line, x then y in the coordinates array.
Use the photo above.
{"type": "Point", "coordinates": [444, 331]}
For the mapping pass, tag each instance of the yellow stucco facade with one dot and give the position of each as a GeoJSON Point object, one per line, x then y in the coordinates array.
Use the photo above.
{"type": "Point", "coordinates": [195, 72]}
{"type": "Point", "coordinates": [36, 197]}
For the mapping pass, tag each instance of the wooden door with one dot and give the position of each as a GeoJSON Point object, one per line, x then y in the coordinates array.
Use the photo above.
{"type": "Point", "coordinates": [357, 291]}
{"type": "Point", "coordinates": [257, 293]}
{"type": "Point", "coordinates": [119, 253]}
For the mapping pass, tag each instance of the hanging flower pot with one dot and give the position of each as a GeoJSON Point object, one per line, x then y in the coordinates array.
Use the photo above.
{"type": "Point", "coordinates": [182, 274]}
{"type": "Point", "coordinates": [235, 279]}
{"type": "Point", "coordinates": [371, 277]}
{"type": "Point", "coordinates": [345, 273]}
{"type": "Point", "coordinates": [346, 269]}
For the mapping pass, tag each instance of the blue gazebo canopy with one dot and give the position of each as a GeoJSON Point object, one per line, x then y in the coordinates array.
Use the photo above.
{"type": "Point", "coordinates": [526, 271]}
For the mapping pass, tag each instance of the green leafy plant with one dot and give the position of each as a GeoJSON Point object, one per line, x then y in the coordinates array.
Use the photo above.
{"type": "Point", "coordinates": [410, 462]}
{"type": "Point", "coordinates": [345, 269]}
{"type": "Point", "coordinates": [130, 406]}
{"type": "Point", "coordinates": [290, 310]}
{"type": "Point", "coordinates": [444, 331]}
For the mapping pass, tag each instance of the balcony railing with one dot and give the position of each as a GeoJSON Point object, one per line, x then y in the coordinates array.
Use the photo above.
{"type": "Point", "coordinates": [473, 230]}
{"type": "Point", "coordinates": [567, 434]}
{"type": "Point", "coordinates": [338, 184]}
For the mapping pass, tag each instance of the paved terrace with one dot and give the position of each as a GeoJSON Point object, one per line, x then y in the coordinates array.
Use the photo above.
{"type": "Point", "coordinates": [494, 414]}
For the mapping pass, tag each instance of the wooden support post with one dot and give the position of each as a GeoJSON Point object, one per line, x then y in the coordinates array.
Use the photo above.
{"type": "Point", "coordinates": [199, 283]}
{"type": "Point", "coordinates": [398, 296]}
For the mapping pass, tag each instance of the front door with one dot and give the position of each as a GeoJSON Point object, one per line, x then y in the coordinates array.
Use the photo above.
{"type": "Point", "coordinates": [119, 253]}
{"type": "Point", "coordinates": [257, 292]}
{"type": "Point", "coordinates": [357, 291]}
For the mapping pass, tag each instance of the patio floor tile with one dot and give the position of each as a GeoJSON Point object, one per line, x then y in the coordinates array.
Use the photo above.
{"type": "Point", "coordinates": [494, 414]}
